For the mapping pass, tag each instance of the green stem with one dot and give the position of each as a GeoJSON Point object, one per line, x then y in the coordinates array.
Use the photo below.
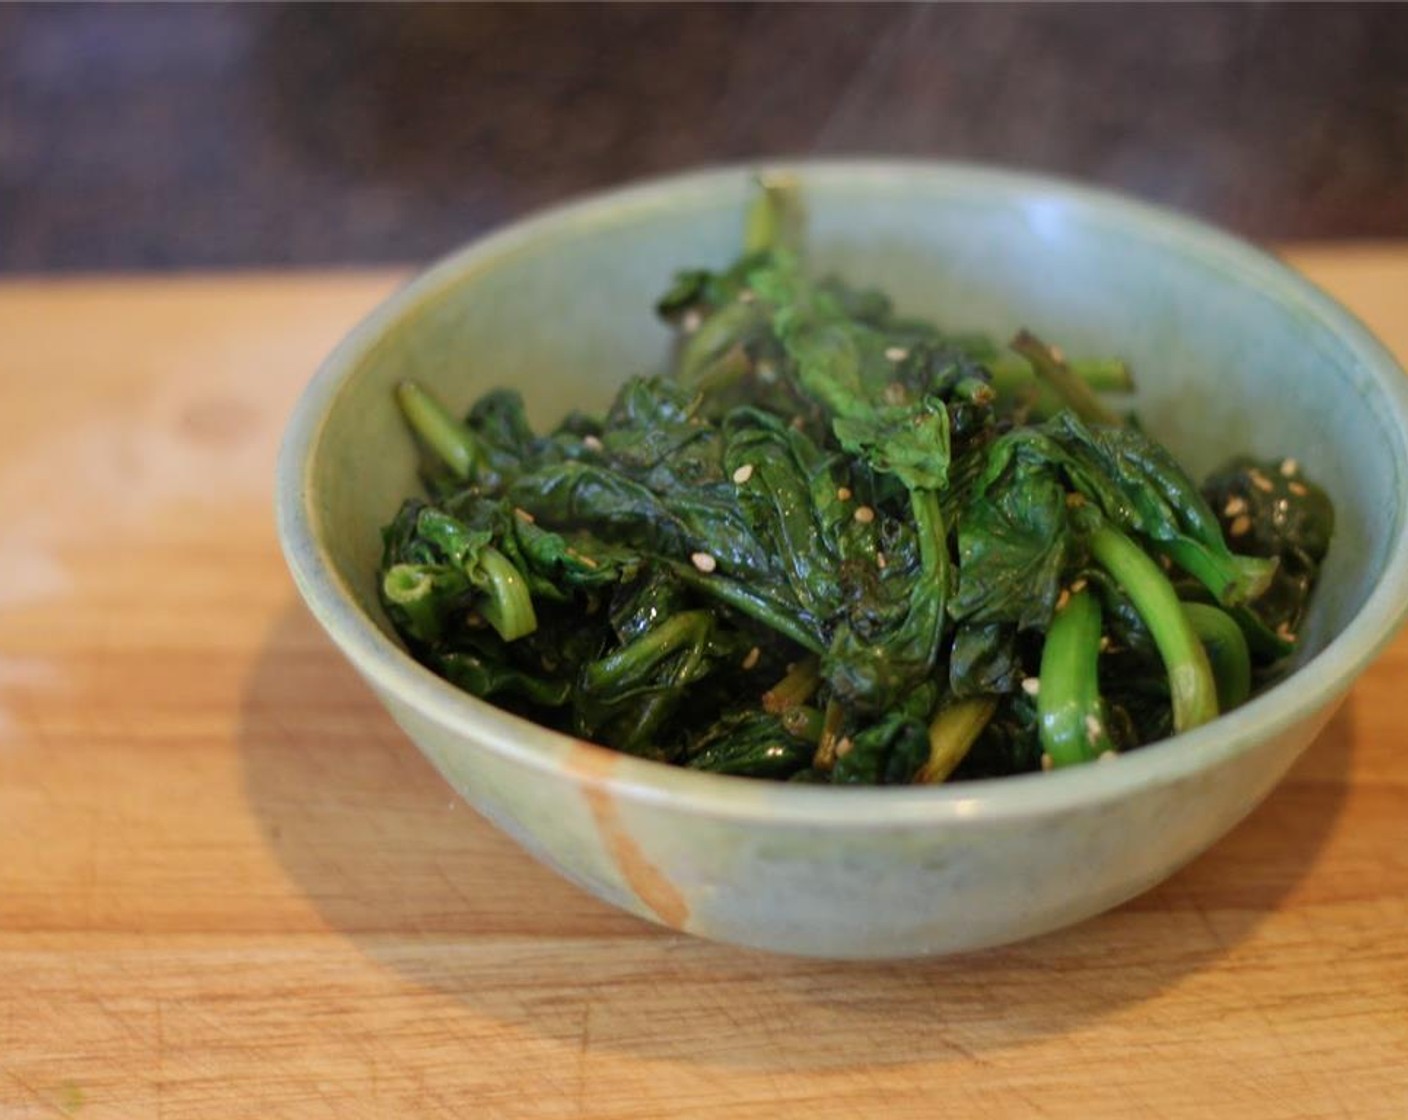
{"type": "Point", "coordinates": [508, 605]}
{"type": "Point", "coordinates": [1190, 677]}
{"type": "Point", "coordinates": [446, 437]}
{"type": "Point", "coordinates": [1073, 392]}
{"type": "Point", "coordinates": [412, 589]}
{"type": "Point", "coordinates": [795, 688]}
{"type": "Point", "coordinates": [1071, 716]}
{"type": "Point", "coordinates": [634, 662]}
{"type": "Point", "coordinates": [952, 734]}
{"type": "Point", "coordinates": [746, 601]}
{"type": "Point", "coordinates": [775, 218]}
{"type": "Point", "coordinates": [1227, 651]}
{"type": "Point", "coordinates": [1230, 578]}
{"type": "Point", "coordinates": [1013, 374]}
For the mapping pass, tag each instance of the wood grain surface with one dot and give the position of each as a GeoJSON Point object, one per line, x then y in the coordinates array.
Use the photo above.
{"type": "Point", "coordinates": [230, 888]}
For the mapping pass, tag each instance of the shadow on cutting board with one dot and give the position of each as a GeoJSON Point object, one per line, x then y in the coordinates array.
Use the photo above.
{"type": "Point", "coordinates": [389, 857]}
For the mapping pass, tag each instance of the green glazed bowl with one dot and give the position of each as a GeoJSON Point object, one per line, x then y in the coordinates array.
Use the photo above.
{"type": "Point", "coordinates": [1233, 352]}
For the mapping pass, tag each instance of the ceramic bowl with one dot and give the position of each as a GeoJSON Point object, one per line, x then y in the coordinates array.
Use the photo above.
{"type": "Point", "coordinates": [1232, 350]}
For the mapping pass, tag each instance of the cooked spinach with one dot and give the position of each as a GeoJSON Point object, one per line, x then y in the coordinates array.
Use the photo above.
{"type": "Point", "coordinates": [836, 544]}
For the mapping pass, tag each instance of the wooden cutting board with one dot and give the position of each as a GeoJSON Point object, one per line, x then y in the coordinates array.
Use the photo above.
{"type": "Point", "coordinates": [230, 888]}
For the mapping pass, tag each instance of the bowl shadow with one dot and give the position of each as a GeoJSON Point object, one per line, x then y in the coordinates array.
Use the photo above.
{"type": "Point", "coordinates": [391, 859]}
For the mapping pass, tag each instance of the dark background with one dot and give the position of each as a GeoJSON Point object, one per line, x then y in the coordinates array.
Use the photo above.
{"type": "Point", "coordinates": [169, 136]}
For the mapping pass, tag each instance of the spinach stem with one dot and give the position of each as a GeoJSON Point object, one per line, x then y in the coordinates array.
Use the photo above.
{"type": "Point", "coordinates": [1071, 716]}
{"type": "Point", "coordinates": [1074, 392]}
{"type": "Point", "coordinates": [1227, 651]}
{"type": "Point", "coordinates": [412, 588]}
{"type": "Point", "coordinates": [795, 688]}
{"type": "Point", "coordinates": [1190, 678]}
{"type": "Point", "coordinates": [952, 734]}
{"type": "Point", "coordinates": [508, 606]}
{"type": "Point", "coordinates": [447, 438]}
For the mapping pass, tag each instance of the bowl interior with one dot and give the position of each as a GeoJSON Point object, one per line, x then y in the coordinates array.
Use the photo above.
{"type": "Point", "coordinates": [1231, 352]}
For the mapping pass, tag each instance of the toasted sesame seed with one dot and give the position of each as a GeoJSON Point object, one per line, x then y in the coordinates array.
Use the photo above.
{"type": "Point", "coordinates": [1105, 644]}
{"type": "Point", "coordinates": [1260, 481]}
{"type": "Point", "coordinates": [1285, 633]}
{"type": "Point", "coordinates": [895, 393]}
{"type": "Point", "coordinates": [880, 560]}
{"type": "Point", "coordinates": [843, 493]}
{"type": "Point", "coordinates": [1092, 730]}
{"type": "Point", "coordinates": [747, 295]}
{"type": "Point", "coordinates": [1062, 599]}
{"type": "Point", "coordinates": [1289, 468]}
{"type": "Point", "coordinates": [1047, 762]}
{"type": "Point", "coordinates": [1234, 506]}
{"type": "Point", "coordinates": [523, 515]}
{"type": "Point", "coordinates": [798, 423]}
{"type": "Point", "coordinates": [475, 621]}
{"type": "Point", "coordinates": [896, 353]}
{"type": "Point", "coordinates": [591, 443]}
{"type": "Point", "coordinates": [692, 321]}
{"type": "Point", "coordinates": [1058, 354]}
{"type": "Point", "coordinates": [864, 514]}
{"type": "Point", "coordinates": [743, 473]}
{"type": "Point", "coordinates": [843, 748]}
{"type": "Point", "coordinates": [1031, 685]}
{"type": "Point", "coordinates": [1165, 563]}
{"type": "Point", "coordinates": [1241, 526]}
{"type": "Point", "coordinates": [1299, 489]}
{"type": "Point", "coordinates": [1078, 586]}
{"type": "Point", "coordinates": [1075, 499]}
{"type": "Point", "coordinates": [767, 373]}
{"type": "Point", "coordinates": [1107, 756]}
{"type": "Point", "coordinates": [754, 656]}
{"type": "Point", "coordinates": [703, 561]}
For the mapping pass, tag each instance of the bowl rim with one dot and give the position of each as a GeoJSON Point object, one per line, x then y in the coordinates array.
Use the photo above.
{"type": "Point", "coordinates": [1312, 690]}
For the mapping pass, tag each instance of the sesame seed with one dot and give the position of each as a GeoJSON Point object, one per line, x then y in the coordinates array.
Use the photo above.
{"type": "Point", "coordinates": [880, 560]}
{"type": "Point", "coordinates": [843, 748]}
{"type": "Point", "coordinates": [1299, 489]}
{"type": "Point", "coordinates": [1234, 506]}
{"type": "Point", "coordinates": [523, 515]}
{"type": "Point", "coordinates": [754, 656]}
{"type": "Point", "coordinates": [798, 423]}
{"type": "Point", "coordinates": [864, 514]}
{"type": "Point", "coordinates": [1260, 481]}
{"type": "Point", "coordinates": [767, 373]}
{"type": "Point", "coordinates": [591, 443]}
{"type": "Point", "coordinates": [1092, 729]}
{"type": "Point", "coordinates": [1285, 633]}
{"type": "Point", "coordinates": [743, 473]}
{"type": "Point", "coordinates": [692, 321]}
{"type": "Point", "coordinates": [475, 621]}
{"type": "Point", "coordinates": [1047, 762]}
{"type": "Point", "coordinates": [1062, 599]}
{"type": "Point", "coordinates": [704, 562]}
{"type": "Point", "coordinates": [1165, 563]}
{"type": "Point", "coordinates": [1078, 586]}
{"type": "Point", "coordinates": [1241, 526]}
{"type": "Point", "coordinates": [1107, 756]}
{"type": "Point", "coordinates": [1105, 644]}
{"type": "Point", "coordinates": [747, 295]}
{"type": "Point", "coordinates": [1058, 354]}
{"type": "Point", "coordinates": [1075, 500]}
{"type": "Point", "coordinates": [895, 393]}
{"type": "Point", "coordinates": [843, 494]}
{"type": "Point", "coordinates": [1289, 468]}
{"type": "Point", "coordinates": [1031, 685]}
{"type": "Point", "coordinates": [896, 353]}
